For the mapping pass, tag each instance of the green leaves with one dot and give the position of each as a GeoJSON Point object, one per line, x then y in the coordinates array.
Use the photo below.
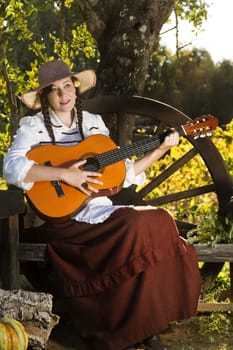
{"type": "Point", "coordinates": [82, 41]}
{"type": "Point", "coordinates": [32, 32]}
{"type": "Point", "coordinates": [212, 230]}
{"type": "Point", "coordinates": [17, 17]}
{"type": "Point", "coordinates": [193, 11]}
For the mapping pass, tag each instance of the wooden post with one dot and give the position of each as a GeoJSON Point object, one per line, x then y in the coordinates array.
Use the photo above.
{"type": "Point", "coordinates": [231, 281]}
{"type": "Point", "coordinates": [10, 257]}
{"type": "Point", "coordinates": [12, 204]}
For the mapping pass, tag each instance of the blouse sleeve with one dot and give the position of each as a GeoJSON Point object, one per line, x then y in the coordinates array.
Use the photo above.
{"type": "Point", "coordinates": [131, 178]}
{"type": "Point", "coordinates": [16, 164]}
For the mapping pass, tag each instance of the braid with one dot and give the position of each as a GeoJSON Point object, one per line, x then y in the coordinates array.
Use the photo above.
{"type": "Point", "coordinates": [45, 112]}
{"type": "Point", "coordinates": [78, 106]}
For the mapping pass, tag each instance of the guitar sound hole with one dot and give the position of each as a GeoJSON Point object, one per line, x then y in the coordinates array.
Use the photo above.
{"type": "Point", "coordinates": [92, 164]}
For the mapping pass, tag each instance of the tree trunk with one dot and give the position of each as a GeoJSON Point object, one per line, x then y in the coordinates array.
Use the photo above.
{"type": "Point", "coordinates": [33, 310]}
{"type": "Point", "coordinates": [127, 33]}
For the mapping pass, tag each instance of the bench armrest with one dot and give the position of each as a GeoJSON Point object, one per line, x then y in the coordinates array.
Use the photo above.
{"type": "Point", "coordinates": [11, 203]}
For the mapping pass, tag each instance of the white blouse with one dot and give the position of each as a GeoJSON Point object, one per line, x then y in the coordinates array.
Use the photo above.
{"type": "Point", "coordinates": [32, 132]}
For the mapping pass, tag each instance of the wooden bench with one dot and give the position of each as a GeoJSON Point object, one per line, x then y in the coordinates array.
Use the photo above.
{"type": "Point", "coordinates": [13, 253]}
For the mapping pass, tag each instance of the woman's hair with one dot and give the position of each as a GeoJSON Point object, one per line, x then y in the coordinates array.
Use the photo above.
{"type": "Point", "coordinates": [45, 110]}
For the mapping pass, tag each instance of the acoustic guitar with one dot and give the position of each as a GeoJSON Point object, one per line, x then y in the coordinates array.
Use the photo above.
{"type": "Point", "coordinates": [57, 200]}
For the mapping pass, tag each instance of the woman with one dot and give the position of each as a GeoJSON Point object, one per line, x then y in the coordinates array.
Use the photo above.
{"type": "Point", "coordinates": [124, 271]}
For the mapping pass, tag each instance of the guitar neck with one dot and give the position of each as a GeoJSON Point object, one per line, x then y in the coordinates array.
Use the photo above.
{"type": "Point", "coordinates": [102, 160]}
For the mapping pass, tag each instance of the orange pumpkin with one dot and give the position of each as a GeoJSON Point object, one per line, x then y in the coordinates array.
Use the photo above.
{"type": "Point", "coordinates": [12, 335]}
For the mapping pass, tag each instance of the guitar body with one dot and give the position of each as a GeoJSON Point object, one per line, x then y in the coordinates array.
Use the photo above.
{"type": "Point", "coordinates": [43, 195]}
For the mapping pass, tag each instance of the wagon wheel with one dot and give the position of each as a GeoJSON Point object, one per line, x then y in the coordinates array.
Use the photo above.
{"type": "Point", "coordinates": [163, 116]}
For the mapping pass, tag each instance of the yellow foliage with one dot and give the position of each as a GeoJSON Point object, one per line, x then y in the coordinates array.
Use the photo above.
{"type": "Point", "coordinates": [192, 175]}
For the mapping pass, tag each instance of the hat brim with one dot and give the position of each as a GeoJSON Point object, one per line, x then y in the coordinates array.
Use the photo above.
{"type": "Point", "coordinates": [87, 79]}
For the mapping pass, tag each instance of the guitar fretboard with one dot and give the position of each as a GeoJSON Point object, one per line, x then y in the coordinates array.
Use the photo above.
{"type": "Point", "coordinates": [113, 156]}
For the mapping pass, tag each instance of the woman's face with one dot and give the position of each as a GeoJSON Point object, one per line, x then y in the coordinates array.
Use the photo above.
{"type": "Point", "coordinates": [62, 95]}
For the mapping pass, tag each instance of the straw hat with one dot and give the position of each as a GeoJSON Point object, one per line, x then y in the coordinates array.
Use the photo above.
{"type": "Point", "coordinates": [52, 71]}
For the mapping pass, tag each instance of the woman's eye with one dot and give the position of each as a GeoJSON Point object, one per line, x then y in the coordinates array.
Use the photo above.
{"type": "Point", "coordinates": [67, 86]}
{"type": "Point", "coordinates": [53, 89]}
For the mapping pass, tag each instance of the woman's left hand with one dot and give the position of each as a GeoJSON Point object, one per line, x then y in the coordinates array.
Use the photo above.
{"type": "Point", "coordinates": [170, 140]}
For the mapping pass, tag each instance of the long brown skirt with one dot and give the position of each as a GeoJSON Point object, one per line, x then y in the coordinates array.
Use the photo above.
{"type": "Point", "coordinates": [125, 279]}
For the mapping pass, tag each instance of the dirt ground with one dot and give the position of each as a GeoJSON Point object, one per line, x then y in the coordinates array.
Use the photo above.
{"type": "Point", "coordinates": [206, 331]}
{"type": "Point", "coordinates": [203, 332]}
{"type": "Point", "coordinates": [63, 338]}
{"type": "Point", "coordinates": [179, 336]}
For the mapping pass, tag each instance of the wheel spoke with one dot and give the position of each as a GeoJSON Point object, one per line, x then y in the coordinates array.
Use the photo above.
{"type": "Point", "coordinates": [168, 172]}
{"type": "Point", "coordinates": [182, 195]}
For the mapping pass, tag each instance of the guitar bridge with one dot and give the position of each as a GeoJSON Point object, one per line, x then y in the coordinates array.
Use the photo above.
{"type": "Point", "coordinates": [55, 183]}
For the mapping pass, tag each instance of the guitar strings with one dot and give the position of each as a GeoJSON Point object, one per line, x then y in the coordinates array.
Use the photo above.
{"type": "Point", "coordinates": [118, 154]}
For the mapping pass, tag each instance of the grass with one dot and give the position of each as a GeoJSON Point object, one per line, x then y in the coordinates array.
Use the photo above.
{"type": "Point", "coordinates": [211, 331]}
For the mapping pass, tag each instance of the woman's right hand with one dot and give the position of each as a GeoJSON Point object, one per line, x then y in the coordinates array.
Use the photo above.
{"type": "Point", "coordinates": [81, 179]}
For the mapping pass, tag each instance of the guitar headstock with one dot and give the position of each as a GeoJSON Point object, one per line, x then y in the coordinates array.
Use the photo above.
{"type": "Point", "coordinates": [201, 127]}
